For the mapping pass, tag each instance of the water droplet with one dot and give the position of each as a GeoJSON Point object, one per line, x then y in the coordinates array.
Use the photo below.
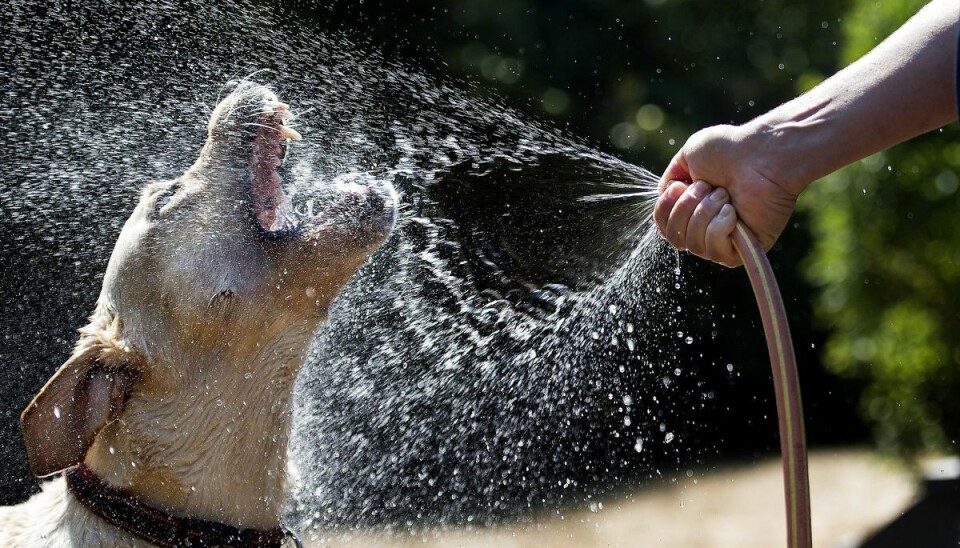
{"type": "Point", "coordinates": [627, 400]}
{"type": "Point", "coordinates": [638, 447]}
{"type": "Point", "coordinates": [688, 340]}
{"type": "Point", "coordinates": [668, 438]}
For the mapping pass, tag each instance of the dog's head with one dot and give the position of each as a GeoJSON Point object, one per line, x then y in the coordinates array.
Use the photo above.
{"type": "Point", "coordinates": [214, 277]}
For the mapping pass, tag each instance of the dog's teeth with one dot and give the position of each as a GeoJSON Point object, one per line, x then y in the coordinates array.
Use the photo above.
{"type": "Point", "coordinates": [271, 107]}
{"type": "Point", "coordinates": [289, 133]}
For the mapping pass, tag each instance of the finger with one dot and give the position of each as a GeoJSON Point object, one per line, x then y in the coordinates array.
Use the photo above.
{"type": "Point", "coordinates": [702, 215]}
{"type": "Point", "coordinates": [719, 239]}
{"type": "Point", "coordinates": [676, 171]}
{"type": "Point", "coordinates": [665, 203]}
{"type": "Point", "coordinates": [676, 229]}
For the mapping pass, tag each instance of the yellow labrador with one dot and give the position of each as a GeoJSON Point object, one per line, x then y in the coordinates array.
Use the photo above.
{"type": "Point", "coordinates": [172, 416]}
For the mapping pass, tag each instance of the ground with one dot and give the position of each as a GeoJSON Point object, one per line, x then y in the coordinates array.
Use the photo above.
{"type": "Point", "coordinates": [853, 493]}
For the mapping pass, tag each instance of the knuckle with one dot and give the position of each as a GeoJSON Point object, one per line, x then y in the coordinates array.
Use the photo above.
{"type": "Point", "coordinates": [675, 239]}
{"type": "Point", "coordinates": [705, 212]}
{"type": "Point", "coordinates": [658, 219]}
{"type": "Point", "coordinates": [689, 201]}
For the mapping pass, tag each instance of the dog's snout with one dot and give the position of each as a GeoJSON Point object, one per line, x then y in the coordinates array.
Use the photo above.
{"type": "Point", "coordinates": [376, 207]}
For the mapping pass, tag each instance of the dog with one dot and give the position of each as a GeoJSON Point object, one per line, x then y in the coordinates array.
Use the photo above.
{"type": "Point", "coordinates": [169, 423]}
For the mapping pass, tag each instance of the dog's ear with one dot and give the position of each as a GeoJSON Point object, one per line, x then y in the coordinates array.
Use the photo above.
{"type": "Point", "coordinates": [82, 397]}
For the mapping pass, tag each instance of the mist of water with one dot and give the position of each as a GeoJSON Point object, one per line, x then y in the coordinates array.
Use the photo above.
{"type": "Point", "coordinates": [512, 347]}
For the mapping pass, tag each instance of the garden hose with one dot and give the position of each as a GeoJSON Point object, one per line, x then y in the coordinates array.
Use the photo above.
{"type": "Point", "coordinates": [786, 384]}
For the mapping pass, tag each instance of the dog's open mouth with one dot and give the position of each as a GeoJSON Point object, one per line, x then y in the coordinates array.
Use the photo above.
{"type": "Point", "coordinates": [270, 203]}
{"type": "Point", "coordinates": [362, 207]}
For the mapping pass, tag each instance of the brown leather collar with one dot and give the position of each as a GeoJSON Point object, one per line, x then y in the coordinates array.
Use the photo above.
{"type": "Point", "coordinates": [157, 526]}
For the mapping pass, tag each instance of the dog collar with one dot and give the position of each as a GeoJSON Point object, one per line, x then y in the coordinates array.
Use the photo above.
{"type": "Point", "coordinates": [125, 512]}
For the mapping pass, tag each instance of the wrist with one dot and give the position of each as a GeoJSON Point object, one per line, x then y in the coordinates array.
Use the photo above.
{"type": "Point", "coordinates": [792, 144]}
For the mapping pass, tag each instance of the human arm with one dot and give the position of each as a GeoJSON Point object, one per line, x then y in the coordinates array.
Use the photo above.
{"type": "Point", "coordinates": [902, 88]}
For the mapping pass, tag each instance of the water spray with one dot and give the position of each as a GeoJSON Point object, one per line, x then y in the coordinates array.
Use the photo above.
{"type": "Point", "coordinates": [627, 193]}
{"type": "Point", "coordinates": [786, 384]}
{"type": "Point", "coordinates": [368, 413]}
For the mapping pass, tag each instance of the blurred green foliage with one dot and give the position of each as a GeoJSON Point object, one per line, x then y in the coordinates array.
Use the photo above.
{"type": "Point", "coordinates": [638, 77]}
{"type": "Point", "coordinates": [886, 260]}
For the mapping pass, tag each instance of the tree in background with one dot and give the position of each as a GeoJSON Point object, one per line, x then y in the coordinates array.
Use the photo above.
{"type": "Point", "coordinates": [886, 260]}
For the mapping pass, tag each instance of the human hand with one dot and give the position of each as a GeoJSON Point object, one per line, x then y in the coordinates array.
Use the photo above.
{"type": "Point", "coordinates": [718, 177]}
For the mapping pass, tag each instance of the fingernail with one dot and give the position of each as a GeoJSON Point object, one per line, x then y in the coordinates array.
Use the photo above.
{"type": "Point", "coordinates": [718, 195]}
{"type": "Point", "coordinates": [700, 186]}
{"type": "Point", "coordinates": [725, 211]}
